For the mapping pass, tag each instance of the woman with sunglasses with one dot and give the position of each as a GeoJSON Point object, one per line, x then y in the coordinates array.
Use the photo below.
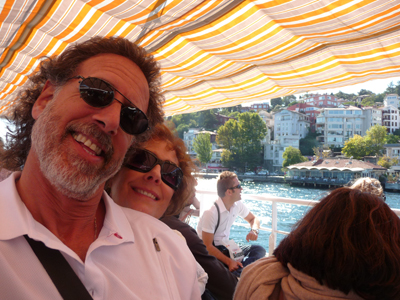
{"type": "Point", "coordinates": [156, 179]}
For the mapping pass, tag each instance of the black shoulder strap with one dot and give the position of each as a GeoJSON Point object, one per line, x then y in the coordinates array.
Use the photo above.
{"type": "Point", "coordinates": [64, 278]}
{"type": "Point", "coordinates": [216, 227]}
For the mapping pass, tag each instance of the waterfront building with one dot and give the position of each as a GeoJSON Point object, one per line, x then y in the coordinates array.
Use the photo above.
{"type": "Point", "coordinates": [289, 128]}
{"type": "Point", "coordinates": [332, 171]}
{"type": "Point", "coordinates": [393, 151]}
{"type": "Point", "coordinates": [215, 164]}
{"type": "Point", "coordinates": [190, 135]}
{"type": "Point", "coordinates": [337, 125]}
{"type": "Point", "coordinates": [390, 118]}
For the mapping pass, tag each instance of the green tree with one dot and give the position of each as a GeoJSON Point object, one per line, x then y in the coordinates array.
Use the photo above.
{"type": "Point", "coordinates": [227, 134]}
{"type": "Point", "coordinates": [292, 103]}
{"type": "Point", "coordinates": [181, 129]}
{"type": "Point", "coordinates": [207, 120]}
{"type": "Point", "coordinates": [355, 147]}
{"type": "Point", "coordinates": [292, 156]}
{"type": "Point", "coordinates": [392, 139]}
{"type": "Point", "coordinates": [202, 146]}
{"type": "Point", "coordinates": [288, 99]}
{"type": "Point", "coordinates": [364, 92]}
{"type": "Point", "coordinates": [368, 101]}
{"type": "Point", "coordinates": [234, 114]}
{"type": "Point", "coordinates": [227, 159]}
{"type": "Point", "coordinates": [342, 95]}
{"type": "Point", "coordinates": [241, 139]}
{"type": "Point", "coordinates": [397, 132]}
{"type": "Point", "coordinates": [398, 88]}
{"type": "Point", "coordinates": [371, 144]}
{"type": "Point", "coordinates": [276, 101]}
{"type": "Point", "coordinates": [387, 162]}
{"type": "Point", "coordinates": [307, 144]}
{"type": "Point", "coordinates": [375, 139]}
{"type": "Point", "coordinates": [391, 88]}
{"type": "Point", "coordinates": [276, 108]}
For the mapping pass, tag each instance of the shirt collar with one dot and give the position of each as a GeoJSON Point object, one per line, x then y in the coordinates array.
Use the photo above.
{"type": "Point", "coordinates": [16, 220]}
{"type": "Point", "coordinates": [221, 205]}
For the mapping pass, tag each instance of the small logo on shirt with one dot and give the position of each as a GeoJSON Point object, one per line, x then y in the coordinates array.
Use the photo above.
{"type": "Point", "coordinates": [118, 236]}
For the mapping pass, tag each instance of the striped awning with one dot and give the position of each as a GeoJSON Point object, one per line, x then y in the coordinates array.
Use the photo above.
{"type": "Point", "coordinates": [214, 53]}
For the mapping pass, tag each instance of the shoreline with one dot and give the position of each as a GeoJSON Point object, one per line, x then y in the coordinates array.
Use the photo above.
{"type": "Point", "coordinates": [391, 187]}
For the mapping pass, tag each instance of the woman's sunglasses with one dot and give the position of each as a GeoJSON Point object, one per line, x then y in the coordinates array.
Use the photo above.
{"type": "Point", "coordinates": [144, 161]}
{"type": "Point", "coordinates": [99, 93]}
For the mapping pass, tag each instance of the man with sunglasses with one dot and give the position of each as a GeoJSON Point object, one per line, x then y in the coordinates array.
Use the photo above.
{"type": "Point", "coordinates": [215, 224]}
{"type": "Point", "coordinates": [74, 122]}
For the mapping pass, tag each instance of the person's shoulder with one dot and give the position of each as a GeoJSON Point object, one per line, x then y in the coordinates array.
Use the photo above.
{"type": "Point", "coordinates": [8, 187]}
{"type": "Point", "coordinates": [270, 267]}
{"type": "Point", "coordinates": [140, 219]}
{"type": "Point", "coordinates": [212, 208]}
{"type": "Point", "coordinates": [175, 223]}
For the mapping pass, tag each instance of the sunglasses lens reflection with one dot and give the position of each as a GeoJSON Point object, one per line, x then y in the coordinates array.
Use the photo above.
{"type": "Point", "coordinates": [144, 161]}
{"type": "Point", "coordinates": [98, 93]}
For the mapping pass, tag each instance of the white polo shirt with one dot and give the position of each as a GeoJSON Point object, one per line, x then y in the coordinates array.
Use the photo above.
{"type": "Point", "coordinates": [209, 219]}
{"type": "Point", "coordinates": [122, 263]}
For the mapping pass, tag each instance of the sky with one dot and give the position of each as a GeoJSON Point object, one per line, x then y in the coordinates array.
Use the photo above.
{"type": "Point", "coordinates": [376, 86]}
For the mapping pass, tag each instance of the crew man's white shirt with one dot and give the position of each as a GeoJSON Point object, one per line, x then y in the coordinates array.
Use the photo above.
{"type": "Point", "coordinates": [209, 219]}
{"type": "Point", "coordinates": [123, 262]}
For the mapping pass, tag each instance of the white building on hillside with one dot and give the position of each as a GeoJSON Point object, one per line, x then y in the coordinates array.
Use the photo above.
{"type": "Point", "coordinates": [289, 128]}
{"type": "Point", "coordinates": [391, 100]}
{"type": "Point", "coordinates": [374, 115]}
{"type": "Point", "coordinates": [337, 125]}
{"type": "Point", "coordinates": [391, 118]}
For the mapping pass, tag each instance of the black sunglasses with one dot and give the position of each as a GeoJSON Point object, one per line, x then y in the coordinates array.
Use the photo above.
{"type": "Point", "coordinates": [99, 93]}
{"type": "Point", "coordinates": [144, 161]}
{"type": "Point", "coordinates": [236, 187]}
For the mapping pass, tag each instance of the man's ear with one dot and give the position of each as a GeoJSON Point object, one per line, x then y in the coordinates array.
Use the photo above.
{"type": "Point", "coordinates": [45, 96]}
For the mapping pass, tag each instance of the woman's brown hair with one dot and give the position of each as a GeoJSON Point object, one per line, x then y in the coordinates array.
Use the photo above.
{"type": "Point", "coordinates": [348, 241]}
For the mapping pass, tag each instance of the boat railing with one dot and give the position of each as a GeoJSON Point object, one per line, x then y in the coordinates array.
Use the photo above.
{"type": "Point", "coordinates": [206, 199]}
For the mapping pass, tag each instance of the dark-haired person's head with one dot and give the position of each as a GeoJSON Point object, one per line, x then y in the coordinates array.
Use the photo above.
{"type": "Point", "coordinates": [69, 68]}
{"type": "Point", "coordinates": [349, 241]}
{"type": "Point", "coordinates": [155, 177]}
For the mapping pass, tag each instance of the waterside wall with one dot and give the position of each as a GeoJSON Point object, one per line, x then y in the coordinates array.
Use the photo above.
{"type": "Point", "coordinates": [317, 183]}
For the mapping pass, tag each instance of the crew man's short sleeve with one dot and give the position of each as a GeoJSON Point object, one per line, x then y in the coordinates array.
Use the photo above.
{"type": "Point", "coordinates": [209, 220]}
{"type": "Point", "coordinates": [243, 211]}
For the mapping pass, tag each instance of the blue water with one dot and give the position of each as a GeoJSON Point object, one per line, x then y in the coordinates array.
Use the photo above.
{"type": "Point", "coordinates": [288, 214]}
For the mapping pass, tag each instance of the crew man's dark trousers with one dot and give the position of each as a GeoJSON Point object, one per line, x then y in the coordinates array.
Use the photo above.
{"type": "Point", "coordinates": [251, 254]}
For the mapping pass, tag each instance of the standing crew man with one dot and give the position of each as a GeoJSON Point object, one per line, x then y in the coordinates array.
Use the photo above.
{"type": "Point", "coordinates": [230, 206]}
{"type": "Point", "coordinates": [74, 124]}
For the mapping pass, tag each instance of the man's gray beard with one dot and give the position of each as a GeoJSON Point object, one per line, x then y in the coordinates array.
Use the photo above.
{"type": "Point", "coordinates": [74, 178]}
